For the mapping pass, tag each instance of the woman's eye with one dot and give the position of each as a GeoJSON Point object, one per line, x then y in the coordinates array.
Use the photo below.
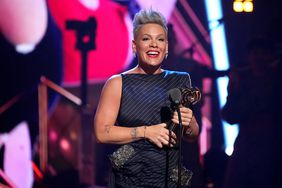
{"type": "Point", "coordinates": [161, 39]}
{"type": "Point", "coordinates": [144, 39]}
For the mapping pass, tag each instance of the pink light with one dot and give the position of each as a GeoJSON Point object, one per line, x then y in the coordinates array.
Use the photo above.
{"type": "Point", "coordinates": [64, 144]}
{"type": "Point", "coordinates": [53, 136]}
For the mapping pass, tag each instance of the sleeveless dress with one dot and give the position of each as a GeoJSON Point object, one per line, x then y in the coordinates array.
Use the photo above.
{"type": "Point", "coordinates": [141, 164]}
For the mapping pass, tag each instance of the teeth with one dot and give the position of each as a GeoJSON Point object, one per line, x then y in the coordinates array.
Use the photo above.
{"type": "Point", "coordinates": [153, 53]}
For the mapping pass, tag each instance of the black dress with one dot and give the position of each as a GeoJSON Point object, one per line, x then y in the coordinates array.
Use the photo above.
{"type": "Point", "coordinates": [145, 101]}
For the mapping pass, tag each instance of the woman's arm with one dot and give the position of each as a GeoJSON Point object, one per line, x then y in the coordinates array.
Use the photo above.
{"type": "Point", "coordinates": [106, 115]}
{"type": "Point", "coordinates": [107, 132]}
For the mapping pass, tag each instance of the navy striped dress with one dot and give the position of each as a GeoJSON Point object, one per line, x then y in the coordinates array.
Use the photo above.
{"type": "Point", "coordinates": [145, 101]}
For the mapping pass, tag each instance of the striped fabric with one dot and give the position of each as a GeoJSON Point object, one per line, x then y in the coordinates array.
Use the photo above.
{"type": "Point", "coordinates": [145, 102]}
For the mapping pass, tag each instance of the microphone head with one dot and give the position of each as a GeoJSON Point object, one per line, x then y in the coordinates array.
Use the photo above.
{"type": "Point", "coordinates": [175, 96]}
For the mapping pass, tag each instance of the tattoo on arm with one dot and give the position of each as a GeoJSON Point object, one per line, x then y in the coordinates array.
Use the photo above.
{"type": "Point", "coordinates": [107, 129]}
{"type": "Point", "coordinates": [133, 133]}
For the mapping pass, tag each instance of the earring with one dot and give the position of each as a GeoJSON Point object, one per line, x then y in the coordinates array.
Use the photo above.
{"type": "Point", "coordinates": [134, 54]}
{"type": "Point", "coordinates": [166, 55]}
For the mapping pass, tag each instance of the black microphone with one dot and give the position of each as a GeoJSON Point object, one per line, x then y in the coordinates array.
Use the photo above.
{"type": "Point", "coordinates": [175, 96]}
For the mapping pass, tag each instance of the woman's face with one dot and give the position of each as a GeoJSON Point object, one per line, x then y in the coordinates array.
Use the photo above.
{"type": "Point", "coordinates": [150, 45]}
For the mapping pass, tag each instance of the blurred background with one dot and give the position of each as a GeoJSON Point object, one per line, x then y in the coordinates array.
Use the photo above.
{"type": "Point", "coordinates": [56, 55]}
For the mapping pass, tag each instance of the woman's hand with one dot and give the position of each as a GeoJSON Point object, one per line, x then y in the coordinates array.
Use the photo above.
{"type": "Point", "coordinates": [186, 116]}
{"type": "Point", "coordinates": [189, 122]}
{"type": "Point", "coordinates": [159, 135]}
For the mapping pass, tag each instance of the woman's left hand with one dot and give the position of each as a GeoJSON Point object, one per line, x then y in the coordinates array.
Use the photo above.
{"type": "Point", "coordinates": [186, 116]}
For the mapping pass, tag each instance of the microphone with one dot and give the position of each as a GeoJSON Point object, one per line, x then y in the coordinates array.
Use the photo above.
{"type": "Point", "coordinates": [185, 97]}
{"type": "Point", "coordinates": [175, 96]}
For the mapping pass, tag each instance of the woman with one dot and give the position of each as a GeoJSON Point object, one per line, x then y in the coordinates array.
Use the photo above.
{"type": "Point", "coordinates": [134, 110]}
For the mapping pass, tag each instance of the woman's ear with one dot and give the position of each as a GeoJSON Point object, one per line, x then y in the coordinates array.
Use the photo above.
{"type": "Point", "coordinates": [133, 45]}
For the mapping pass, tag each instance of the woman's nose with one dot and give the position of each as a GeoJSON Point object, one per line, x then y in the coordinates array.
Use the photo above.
{"type": "Point", "coordinates": [153, 43]}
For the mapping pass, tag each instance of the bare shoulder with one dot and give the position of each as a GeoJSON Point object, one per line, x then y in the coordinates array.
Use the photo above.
{"type": "Point", "coordinates": [114, 81]}
{"type": "Point", "coordinates": [113, 85]}
{"type": "Point", "coordinates": [111, 94]}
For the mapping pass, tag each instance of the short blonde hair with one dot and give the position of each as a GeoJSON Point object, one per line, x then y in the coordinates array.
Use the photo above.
{"type": "Point", "coordinates": [148, 16]}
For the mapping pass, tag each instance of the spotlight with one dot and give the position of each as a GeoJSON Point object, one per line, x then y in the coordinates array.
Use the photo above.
{"type": "Point", "coordinates": [238, 6]}
{"type": "Point", "coordinates": [248, 6]}
{"type": "Point", "coordinates": [243, 5]}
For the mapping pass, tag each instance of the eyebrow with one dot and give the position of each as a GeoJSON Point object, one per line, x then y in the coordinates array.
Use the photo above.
{"type": "Point", "coordinates": [159, 35]}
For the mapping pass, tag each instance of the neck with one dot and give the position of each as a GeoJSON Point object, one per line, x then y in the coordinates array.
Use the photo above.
{"type": "Point", "coordinates": [148, 70]}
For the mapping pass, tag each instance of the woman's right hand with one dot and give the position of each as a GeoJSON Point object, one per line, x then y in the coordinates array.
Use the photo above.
{"type": "Point", "coordinates": [159, 135]}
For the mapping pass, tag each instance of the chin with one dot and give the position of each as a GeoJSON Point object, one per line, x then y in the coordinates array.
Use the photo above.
{"type": "Point", "coordinates": [155, 63]}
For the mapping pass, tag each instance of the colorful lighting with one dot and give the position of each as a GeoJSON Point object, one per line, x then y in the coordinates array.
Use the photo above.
{"type": "Point", "coordinates": [238, 6]}
{"type": "Point", "coordinates": [248, 6]}
{"type": "Point", "coordinates": [221, 62]}
{"type": "Point", "coordinates": [65, 145]}
{"type": "Point", "coordinates": [243, 6]}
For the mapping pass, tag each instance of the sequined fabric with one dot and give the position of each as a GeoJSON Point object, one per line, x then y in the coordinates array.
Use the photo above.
{"type": "Point", "coordinates": [119, 157]}
{"type": "Point", "coordinates": [186, 176]}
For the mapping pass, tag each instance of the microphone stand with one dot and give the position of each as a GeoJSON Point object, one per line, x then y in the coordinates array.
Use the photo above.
{"type": "Point", "coordinates": [186, 97]}
{"type": "Point", "coordinates": [179, 146]}
{"type": "Point", "coordinates": [175, 97]}
{"type": "Point", "coordinates": [85, 42]}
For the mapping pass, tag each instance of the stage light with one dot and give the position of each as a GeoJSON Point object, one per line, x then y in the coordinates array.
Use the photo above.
{"type": "Point", "coordinates": [65, 145]}
{"type": "Point", "coordinates": [238, 6]}
{"type": "Point", "coordinates": [243, 6]}
{"type": "Point", "coordinates": [221, 62]}
{"type": "Point", "coordinates": [53, 136]}
{"type": "Point", "coordinates": [248, 6]}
